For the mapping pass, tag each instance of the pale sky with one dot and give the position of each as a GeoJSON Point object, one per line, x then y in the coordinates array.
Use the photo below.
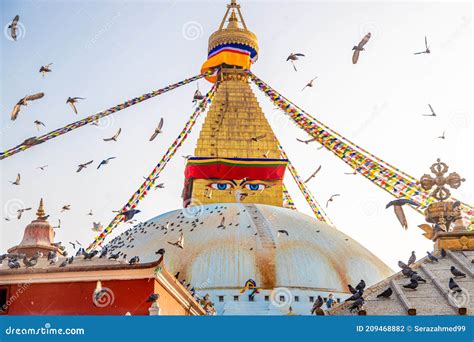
{"type": "Point", "coordinates": [111, 51]}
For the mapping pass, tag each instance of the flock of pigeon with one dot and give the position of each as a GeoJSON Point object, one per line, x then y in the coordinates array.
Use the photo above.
{"type": "Point", "coordinates": [415, 280]}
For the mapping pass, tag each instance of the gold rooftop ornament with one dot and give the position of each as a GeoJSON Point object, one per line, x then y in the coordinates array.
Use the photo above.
{"type": "Point", "coordinates": [441, 192]}
{"type": "Point", "coordinates": [443, 214]}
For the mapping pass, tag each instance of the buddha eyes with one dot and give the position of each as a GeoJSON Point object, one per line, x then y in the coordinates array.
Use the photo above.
{"type": "Point", "coordinates": [220, 186]}
{"type": "Point", "coordinates": [255, 187]}
{"type": "Point", "coordinates": [229, 186]}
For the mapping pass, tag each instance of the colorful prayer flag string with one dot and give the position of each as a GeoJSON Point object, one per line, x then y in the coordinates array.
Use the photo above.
{"type": "Point", "coordinates": [289, 203]}
{"type": "Point", "coordinates": [379, 172]}
{"type": "Point", "coordinates": [94, 118]}
{"type": "Point", "coordinates": [312, 202]}
{"type": "Point", "coordinates": [150, 180]}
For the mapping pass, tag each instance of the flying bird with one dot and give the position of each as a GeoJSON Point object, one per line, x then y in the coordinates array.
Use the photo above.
{"type": "Point", "coordinates": [80, 167]}
{"type": "Point", "coordinates": [157, 130]}
{"type": "Point", "coordinates": [72, 102]}
{"type": "Point", "coordinates": [39, 123]}
{"type": "Point", "coordinates": [66, 207]}
{"type": "Point", "coordinates": [17, 180]}
{"type": "Point", "coordinates": [115, 136]}
{"type": "Point", "coordinates": [427, 48]}
{"type": "Point", "coordinates": [306, 141]}
{"type": "Point", "coordinates": [309, 84]}
{"type": "Point", "coordinates": [96, 227]}
{"type": "Point", "coordinates": [442, 136]}
{"type": "Point", "coordinates": [129, 214]}
{"type": "Point", "coordinates": [42, 167]}
{"type": "Point", "coordinates": [13, 27]}
{"type": "Point", "coordinates": [20, 212]}
{"type": "Point", "coordinates": [313, 174]}
{"type": "Point", "coordinates": [24, 102]}
{"type": "Point", "coordinates": [294, 57]}
{"type": "Point", "coordinates": [457, 273]}
{"type": "Point", "coordinates": [331, 199]}
{"type": "Point", "coordinates": [45, 68]}
{"type": "Point", "coordinates": [432, 111]}
{"type": "Point", "coordinates": [180, 242]}
{"type": "Point", "coordinates": [90, 213]}
{"type": "Point", "coordinates": [257, 138]}
{"type": "Point", "coordinates": [282, 232]}
{"type": "Point", "coordinates": [385, 294]}
{"type": "Point", "coordinates": [105, 162]}
{"type": "Point", "coordinates": [59, 224]}
{"type": "Point", "coordinates": [397, 207]}
{"type": "Point", "coordinates": [360, 47]}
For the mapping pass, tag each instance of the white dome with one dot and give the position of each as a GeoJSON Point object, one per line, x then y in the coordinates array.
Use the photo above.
{"type": "Point", "coordinates": [314, 255]}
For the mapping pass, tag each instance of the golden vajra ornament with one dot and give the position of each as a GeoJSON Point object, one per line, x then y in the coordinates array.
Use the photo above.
{"type": "Point", "coordinates": [440, 181]}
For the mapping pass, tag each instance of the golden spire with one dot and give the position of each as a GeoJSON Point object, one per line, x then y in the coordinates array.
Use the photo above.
{"type": "Point", "coordinates": [40, 214]}
{"type": "Point", "coordinates": [233, 33]}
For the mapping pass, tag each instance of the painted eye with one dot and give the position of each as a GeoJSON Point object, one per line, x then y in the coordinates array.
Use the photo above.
{"type": "Point", "coordinates": [255, 187]}
{"type": "Point", "coordinates": [220, 186]}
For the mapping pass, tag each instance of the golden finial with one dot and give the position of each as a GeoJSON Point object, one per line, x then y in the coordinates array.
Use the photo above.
{"type": "Point", "coordinates": [439, 182]}
{"type": "Point", "coordinates": [40, 214]}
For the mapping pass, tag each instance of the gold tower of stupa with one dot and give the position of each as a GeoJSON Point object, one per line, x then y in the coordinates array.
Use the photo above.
{"type": "Point", "coordinates": [235, 127]}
